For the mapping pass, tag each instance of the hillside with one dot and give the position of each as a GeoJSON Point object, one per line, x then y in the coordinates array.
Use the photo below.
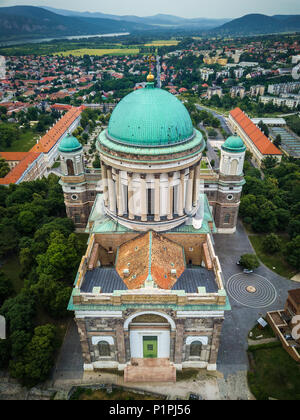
{"type": "Point", "coordinates": [254, 24]}
{"type": "Point", "coordinates": [159, 19]}
{"type": "Point", "coordinates": [28, 21]}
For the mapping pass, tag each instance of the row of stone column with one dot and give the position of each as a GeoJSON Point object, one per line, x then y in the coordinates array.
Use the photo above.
{"type": "Point", "coordinates": [114, 193]}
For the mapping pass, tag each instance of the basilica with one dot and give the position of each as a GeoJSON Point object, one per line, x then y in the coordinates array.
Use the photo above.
{"type": "Point", "coordinates": [149, 295]}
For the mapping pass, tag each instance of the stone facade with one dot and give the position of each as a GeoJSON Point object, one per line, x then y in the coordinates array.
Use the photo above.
{"type": "Point", "coordinates": [187, 331]}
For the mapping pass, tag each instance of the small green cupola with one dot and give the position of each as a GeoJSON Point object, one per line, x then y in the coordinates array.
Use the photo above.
{"type": "Point", "coordinates": [69, 144]}
{"type": "Point", "coordinates": [234, 144]}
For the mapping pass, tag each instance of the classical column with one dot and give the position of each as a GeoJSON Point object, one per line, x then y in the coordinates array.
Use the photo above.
{"type": "Point", "coordinates": [196, 185]}
{"type": "Point", "coordinates": [157, 198]}
{"type": "Point", "coordinates": [105, 184]}
{"type": "Point", "coordinates": [178, 351]}
{"type": "Point", "coordinates": [170, 196]}
{"type": "Point", "coordinates": [143, 198]}
{"type": "Point", "coordinates": [111, 191]}
{"type": "Point", "coordinates": [119, 192]}
{"type": "Point", "coordinates": [180, 199]}
{"type": "Point", "coordinates": [120, 339]}
{"type": "Point", "coordinates": [189, 196]}
{"type": "Point", "coordinates": [130, 196]}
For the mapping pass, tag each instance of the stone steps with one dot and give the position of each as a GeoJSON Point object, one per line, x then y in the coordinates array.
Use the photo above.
{"type": "Point", "coordinates": [150, 370]}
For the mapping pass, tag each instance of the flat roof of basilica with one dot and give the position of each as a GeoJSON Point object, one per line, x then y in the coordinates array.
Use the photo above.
{"type": "Point", "coordinates": [109, 280]}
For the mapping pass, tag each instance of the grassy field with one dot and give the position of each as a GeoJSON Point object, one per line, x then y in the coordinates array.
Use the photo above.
{"type": "Point", "coordinates": [26, 141]}
{"type": "Point", "coordinates": [274, 262]}
{"type": "Point", "coordinates": [161, 43]}
{"type": "Point", "coordinates": [273, 373]}
{"type": "Point", "coordinates": [267, 332]}
{"type": "Point", "coordinates": [99, 52]}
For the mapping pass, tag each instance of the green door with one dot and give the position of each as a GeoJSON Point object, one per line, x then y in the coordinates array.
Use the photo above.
{"type": "Point", "coordinates": [150, 347]}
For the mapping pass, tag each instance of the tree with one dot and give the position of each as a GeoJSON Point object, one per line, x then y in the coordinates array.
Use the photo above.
{"type": "Point", "coordinates": [19, 312]}
{"type": "Point", "coordinates": [277, 142]}
{"type": "Point", "coordinates": [6, 288]}
{"type": "Point", "coordinates": [4, 168]}
{"type": "Point", "coordinates": [60, 259]}
{"type": "Point", "coordinates": [269, 163]}
{"type": "Point", "coordinates": [38, 358]}
{"type": "Point", "coordinates": [293, 252]}
{"type": "Point", "coordinates": [96, 163]}
{"type": "Point", "coordinates": [271, 244]}
{"type": "Point", "coordinates": [249, 261]}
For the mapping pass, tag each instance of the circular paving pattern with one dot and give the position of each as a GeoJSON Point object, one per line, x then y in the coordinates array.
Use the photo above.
{"type": "Point", "coordinates": [251, 290]}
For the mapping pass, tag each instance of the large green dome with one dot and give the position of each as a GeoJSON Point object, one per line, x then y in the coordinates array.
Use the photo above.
{"type": "Point", "coordinates": [69, 144]}
{"type": "Point", "coordinates": [150, 117]}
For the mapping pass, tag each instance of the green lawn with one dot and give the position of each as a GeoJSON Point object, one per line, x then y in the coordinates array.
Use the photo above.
{"type": "Point", "coordinates": [273, 373]}
{"type": "Point", "coordinates": [27, 140]}
{"type": "Point", "coordinates": [274, 262]}
{"type": "Point", "coordinates": [12, 269]}
{"type": "Point", "coordinates": [267, 332]}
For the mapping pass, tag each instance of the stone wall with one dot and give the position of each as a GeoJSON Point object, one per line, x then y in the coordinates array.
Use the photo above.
{"type": "Point", "coordinates": [113, 328]}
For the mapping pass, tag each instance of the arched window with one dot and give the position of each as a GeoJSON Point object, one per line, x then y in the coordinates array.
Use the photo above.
{"type": "Point", "coordinates": [70, 167]}
{"type": "Point", "coordinates": [195, 348]}
{"type": "Point", "coordinates": [104, 348]}
{"type": "Point", "coordinates": [227, 218]}
{"type": "Point", "coordinates": [233, 167]}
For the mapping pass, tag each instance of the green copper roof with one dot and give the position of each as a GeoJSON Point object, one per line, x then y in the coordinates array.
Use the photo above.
{"type": "Point", "coordinates": [197, 140]}
{"type": "Point", "coordinates": [234, 144]}
{"type": "Point", "coordinates": [69, 144]}
{"type": "Point", "coordinates": [150, 117]}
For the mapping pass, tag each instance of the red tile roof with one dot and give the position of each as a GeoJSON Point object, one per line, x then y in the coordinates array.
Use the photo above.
{"type": "Point", "coordinates": [260, 141]}
{"type": "Point", "coordinates": [15, 174]}
{"type": "Point", "coordinates": [13, 156]}
{"type": "Point", "coordinates": [53, 135]}
{"type": "Point", "coordinates": [165, 256]}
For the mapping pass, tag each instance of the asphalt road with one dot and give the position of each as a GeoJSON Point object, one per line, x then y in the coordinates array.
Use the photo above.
{"type": "Point", "coordinates": [216, 115]}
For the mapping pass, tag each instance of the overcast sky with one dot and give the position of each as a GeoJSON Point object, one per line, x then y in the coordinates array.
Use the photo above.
{"type": "Point", "coordinates": [184, 8]}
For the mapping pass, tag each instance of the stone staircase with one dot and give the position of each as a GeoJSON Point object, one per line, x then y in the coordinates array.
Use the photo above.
{"type": "Point", "coordinates": [150, 370]}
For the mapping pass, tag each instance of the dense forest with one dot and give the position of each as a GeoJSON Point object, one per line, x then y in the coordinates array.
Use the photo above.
{"type": "Point", "coordinates": [34, 228]}
{"type": "Point", "coordinates": [272, 205]}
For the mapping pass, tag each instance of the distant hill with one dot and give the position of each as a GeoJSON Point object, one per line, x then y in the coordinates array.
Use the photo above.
{"type": "Point", "coordinates": [255, 24]}
{"type": "Point", "coordinates": [159, 19]}
{"type": "Point", "coordinates": [29, 21]}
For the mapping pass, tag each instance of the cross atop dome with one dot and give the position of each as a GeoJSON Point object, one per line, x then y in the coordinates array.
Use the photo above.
{"type": "Point", "coordinates": [150, 59]}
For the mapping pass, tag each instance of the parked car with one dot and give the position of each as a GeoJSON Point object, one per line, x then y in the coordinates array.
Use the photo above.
{"type": "Point", "coordinates": [288, 337]}
{"type": "Point", "coordinates": [246, 271]}
{"type": "Point", "coordinates": [238, 263]}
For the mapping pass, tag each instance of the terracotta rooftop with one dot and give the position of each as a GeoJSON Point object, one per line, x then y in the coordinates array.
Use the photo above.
{"type": "Point", "coordinates": [150, 256]}
{"type": "Point", "coordinates": [13, 156]}
{"type": "Point", "coordinates": [15, 174]}
{"type": "Point", "coordinates": [260, 141]}
{"type": "Point", "coordinates": [53, 135]}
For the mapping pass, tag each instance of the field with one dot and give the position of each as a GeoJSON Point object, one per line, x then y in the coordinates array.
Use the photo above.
{"type": "Point", "coordinates": [161, 43]}
{"type": "Point", "coordinates": [274, 262]}
{"type": "Point", "coordinates": [273, 373]}
{"type": "Point", "coordinates": [98, 52]}
{"type": "Point", "coordinates": [26, 141]}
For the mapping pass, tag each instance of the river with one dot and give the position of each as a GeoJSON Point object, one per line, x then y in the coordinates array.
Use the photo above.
{"type": "Point", "coordinates": [39, 40]}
